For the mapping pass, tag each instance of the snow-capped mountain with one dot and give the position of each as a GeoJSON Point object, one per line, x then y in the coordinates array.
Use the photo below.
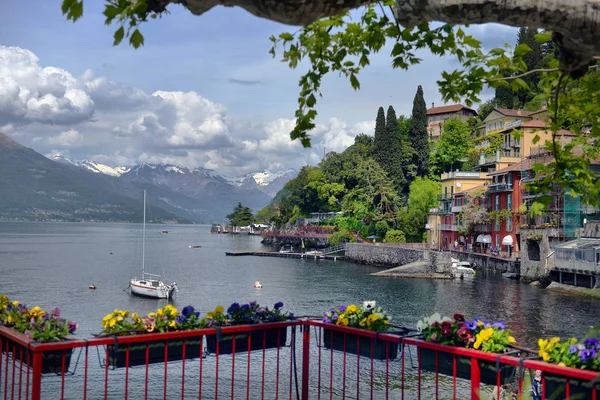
{"type": "Point", "coordinates": [93, 166]}
{"type": "Point", "coordinates": [263, 178]}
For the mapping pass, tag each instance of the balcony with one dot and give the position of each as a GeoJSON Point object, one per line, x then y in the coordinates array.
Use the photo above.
{"type": "Point", "coordinates": [427, 226]}
{"type": "Point", "coordinates": [462, 174]}
{"type": "Point", "coordinates": [309, 360]}
{"type": "Point", "coordinates": [449, 227]}
{"type": "Point", "coordinates": [483, 144]}
{"type": "Point", "coordinates": [500, 187]}
{"type": "Point", "coordinates": [500, 156]}
{"type": "Point", "coordinates": [457, 209]}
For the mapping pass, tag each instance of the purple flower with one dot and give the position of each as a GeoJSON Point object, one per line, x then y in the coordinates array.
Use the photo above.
{"type": "Point", "coordinates": [573, 349]}
{"type": "Point", "coordinates": [9, 307]}
{"type": "Point", "coordinates": [500, 325]}
{"type": "Point", "coordinates": [187, 311]}
{"type": "Point", "coordinates": [446, 331]}
{"type": "Point", "coordinates": [335, 317]}
{"type": "Point", "coordinates": [278, 305]}
{"type": "Point", "coordinates": [464, 333]}
{"type": "Point", "coordinates": [72, 327]}
{"type": "Point", "coordinates": [55, 311]}
{"type": "Point", "coordinates": [459, 317]}
{"type": "Point", "coordinates": [326, 320]}
{"type": "Point", "coordinates": [245, 307]}
{"type": "Point", "coordinates": [472, 325]}
{"type": "Point", "coordinates": [180, 319]}
{"type": "Point", "coordinates": [587, 354]}
{"type": "Point", "coordinates": [592, 343]}
{"type": "Point", "coordinates": [291, 315]}
{"type": "Point", "coordinates": [232, 308]}
{"type": "Point", "coordinates": [332, 310]}
{"type": "Point", "coordinates": [343, 307]}
{"type": "Point", "coordinates": [253, 304]}
{"type": "Point", "coordinates": [32, 323]}
{"type": "Point", "coordinates": [324, 314]}
{"type": "Point", "coordinates": [28, 334]}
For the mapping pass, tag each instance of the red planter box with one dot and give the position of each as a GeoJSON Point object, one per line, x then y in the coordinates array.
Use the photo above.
{"type": "Point", "coordinates": [262, 338]}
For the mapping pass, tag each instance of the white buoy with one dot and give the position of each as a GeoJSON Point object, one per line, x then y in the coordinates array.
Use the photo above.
{"type": "Point", "coordinates": [258, 285]}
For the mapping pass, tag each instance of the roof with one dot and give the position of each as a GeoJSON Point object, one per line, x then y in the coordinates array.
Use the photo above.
{"type": "Point", "coordinates": [463, 192]}
{"type": "Point", "coordinates": [448, 109]}
{"type": "Point", "coordinates": [534, 124]}
{"type": "Point", "coordinates": [514, 113]}
{"type": "Point", "coordinates": [524, 165]}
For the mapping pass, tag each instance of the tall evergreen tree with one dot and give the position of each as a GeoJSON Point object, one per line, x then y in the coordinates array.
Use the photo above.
{"type": "Point", "coordinates": [417, 136]}
{"type": "Point", "coordinates": [394, 151]}
{"type": "Point", "coordinates": [380, 141]}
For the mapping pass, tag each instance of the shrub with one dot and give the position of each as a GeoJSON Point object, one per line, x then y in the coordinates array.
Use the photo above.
{"type": "Point", "coordinates": [395, 236]}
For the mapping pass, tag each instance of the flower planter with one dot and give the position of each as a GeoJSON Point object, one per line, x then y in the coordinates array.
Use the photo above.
{"type": "Point", "coordinates": [445, 366]}
{"type": "Point", "coordinates": [381, 349]}
{"type": "Point", "coordinates": [117, 354]}
{"type": "Point", "coordinates": [52, 361]}
{"type": "Point", "coordinates": [556, 387]}
{"type": "Point", "coordinates": [263, 338]}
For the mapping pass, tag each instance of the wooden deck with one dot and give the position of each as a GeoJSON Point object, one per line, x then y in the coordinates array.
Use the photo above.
{"type": "Point", "coordinates": [286, 255]}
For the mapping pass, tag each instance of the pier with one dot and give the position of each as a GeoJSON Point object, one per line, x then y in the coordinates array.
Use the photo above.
{"type": "Point", "coordinates": [286, 255]}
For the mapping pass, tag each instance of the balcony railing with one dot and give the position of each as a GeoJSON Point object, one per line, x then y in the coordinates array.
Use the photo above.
{"type": "Point", "coordinates": [316, 361]}
{"type": "Point", "coordinates": [457, 209]}
{"type": "Point", "coordinates": [500, 187]}
{"type": "Point", "coordinates": [448, 227]}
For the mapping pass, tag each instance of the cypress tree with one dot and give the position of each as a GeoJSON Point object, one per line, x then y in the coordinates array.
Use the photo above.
{"type": "Point", "coordinates": [394, 150]}
{"type": "Point", "coordinates": [380, 140]}
{"type": "Point", "coordinates": [418, 134]}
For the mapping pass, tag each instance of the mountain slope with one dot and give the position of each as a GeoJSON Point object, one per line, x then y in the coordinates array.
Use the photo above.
{"type": "Point", "coordinates": [33, 187]}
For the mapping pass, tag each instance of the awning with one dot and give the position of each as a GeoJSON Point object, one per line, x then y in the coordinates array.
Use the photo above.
{"type": "Point", "coordinates": [507, 241]}
{"type": "Point", "coordinates": [487, 239]}
{"type": "Point", "coordinates": [479, 239]}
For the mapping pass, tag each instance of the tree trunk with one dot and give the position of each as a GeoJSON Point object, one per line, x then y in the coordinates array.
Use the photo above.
{"type": "Point", "coordinates": [576, 23]}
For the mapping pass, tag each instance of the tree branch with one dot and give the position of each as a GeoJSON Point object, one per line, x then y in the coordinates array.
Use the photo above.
{"type": "Point", "coordinates": [533, 71]}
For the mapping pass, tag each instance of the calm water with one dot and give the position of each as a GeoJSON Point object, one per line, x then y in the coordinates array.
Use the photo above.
{"type": "Point", "coordinates": [51, 264]}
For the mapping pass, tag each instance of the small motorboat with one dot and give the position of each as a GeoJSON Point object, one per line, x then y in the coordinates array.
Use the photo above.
{"type": "Point", "coordinates": [462, 269]}
{"type": "Point", "coordinates": [257, 285]}
{"type": "Point", "coordinates": [314, 253]}
{"type": "Point", "coordinates": [92, 287]}
{"type": "Point", "coordinates": [285, 249]}
{"type": "Point", "coordinates": [165, 231]}
{"type": "Point", "coordinates": [197, 246]}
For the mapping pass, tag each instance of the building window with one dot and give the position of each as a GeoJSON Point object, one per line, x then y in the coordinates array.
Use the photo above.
{"type": "Point", "coordinates": [446, 192]}
{"type": "Point", "coordinates": [497, 205]}
{"type": "Point", "coordinates": [452, 190]}
{"type": "Point", "coordinates": [509, 202]}
{"type": "Point", "coordinates": [497, 240]}
{"type": "Point", "coordinates": [490, 126]}
{"type": "Point", "coordinates": [501, 124]}
{"type": "Point", "coordinates": [497, 224]}
{"type": "Point", "coordinates": [495, 127]}
{"type": "Point", "coordinates": [509, 224]}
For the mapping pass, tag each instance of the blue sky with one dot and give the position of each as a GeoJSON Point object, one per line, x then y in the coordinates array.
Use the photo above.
{"type": "Point", "coordinates": [222, 57]}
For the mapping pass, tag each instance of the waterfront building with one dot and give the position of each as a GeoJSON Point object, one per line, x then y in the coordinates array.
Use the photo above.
{"type": "Point", "coordinates": [437, 115]}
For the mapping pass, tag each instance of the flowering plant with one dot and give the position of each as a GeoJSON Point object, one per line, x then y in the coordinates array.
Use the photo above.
{"type": "Point", "coordinates": [571, 352]}
{"type": "Point", "coordinates": [478, 334]}
{"type": "Point", "coordinates": [167, 318]}
{"type": "Point", "coordinates": [251, 313]}
{"type": "Point", "coordinates": [368, 316]}
{"type": "Point", "coordinates": [35, 323]}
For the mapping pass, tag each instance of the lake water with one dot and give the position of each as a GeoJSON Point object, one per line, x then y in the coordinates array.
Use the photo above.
{"type": "Point", "coordinates": [51, 264]}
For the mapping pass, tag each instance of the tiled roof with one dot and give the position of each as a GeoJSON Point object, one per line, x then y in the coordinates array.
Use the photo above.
{"type": "Point", "coordinates": [524, 165]}
{"type": "Point", "coordinates": [448, 109]}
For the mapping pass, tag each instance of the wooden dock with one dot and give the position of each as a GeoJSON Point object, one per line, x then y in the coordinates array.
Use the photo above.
{"type": "Point", "coordinates": [286, 255]}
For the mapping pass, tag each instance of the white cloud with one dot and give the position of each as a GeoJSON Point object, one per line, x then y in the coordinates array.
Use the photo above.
{"type": "Point", "coordinates": [130, 126]}
{"type": "Point", "coordinates": [30, 93]}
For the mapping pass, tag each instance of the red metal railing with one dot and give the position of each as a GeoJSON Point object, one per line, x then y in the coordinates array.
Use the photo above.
{"type": "Point", "coordinates": [304, 359]}
{"type": "Point", "coordinates": [296, 234]}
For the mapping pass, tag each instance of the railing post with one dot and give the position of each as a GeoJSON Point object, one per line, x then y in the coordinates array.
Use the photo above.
{"type": "Point", "coordinates": [475, 379]}
{"type": "Point", "coordinates": [36, 379]}
{"type": "Point", "coordinates": [305, 359]}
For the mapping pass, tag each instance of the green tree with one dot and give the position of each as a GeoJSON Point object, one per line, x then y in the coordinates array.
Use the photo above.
{"type": "Point", "coordinates": [364, 140]}
{"type": "Point", "coordinates": [395, 236]}
{"type": "Point", "coordinates": [394, 150]}
{"type": "Point", "coordinates": [423, 194]}
{"type": "Point", "coordinates": [453, 146]}
{"type": "Point", "coordinates": [418, 137]}
{"type": "Point", "coordinates": [380, 139]}
{"type": "Point", "coordinates": [487, 107]}
{"type": "Point", "coordinates": [241, 216]}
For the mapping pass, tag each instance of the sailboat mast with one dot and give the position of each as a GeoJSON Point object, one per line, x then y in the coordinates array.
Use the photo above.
{"type": "Point", "coordinates": [144, 240]}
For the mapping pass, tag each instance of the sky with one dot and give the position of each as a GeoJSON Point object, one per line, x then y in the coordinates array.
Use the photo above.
{"type": "Point", "coordinates": [202, 92]}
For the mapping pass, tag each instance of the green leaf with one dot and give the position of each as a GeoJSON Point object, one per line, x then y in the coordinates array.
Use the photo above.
{"type": "Point", "coordinates": [536, 139]}
{"type": "Point", "coordinates": [311, 101]}
{"type": "Point", "coordinates": [136, 39]}
{"type": "Point", "coordinates": [286, 36]}
{"type": "Point", "coordinates": [354, 82]}
{"type": "Point", "coordinates": [472, 42]}
{"type": "Point", "coordinates": [543, 37]}
{"type": "Point", "coordinates": [119, 34]}
{"type": "Point", "coordinates": [522, 49]}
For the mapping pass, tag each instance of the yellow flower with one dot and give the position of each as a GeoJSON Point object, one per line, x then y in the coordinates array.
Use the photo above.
{"type": "Point", "coordinates": [112, 322]}
{"type": "Point", "coordinates": [37, 312]}
{"type": "Point", "coordinates": [159, 312]}
{"type": "Point", "coordinates": [134, 316]}
{"type": "Point", "coordinates": [553, 342]}
{"type": "Point", "coordinates": [125, 314]}
{"type": "Point", "coordinates": [373, 317]}
{"type": "Point", "coordinates": [152, 314]}
{"type": "Point", "coordinates": [562, 364]}
{"type": "Point", "coordinates": [386, 322]}
{"type": "Point", "coordinates": [10, 319]}
{"type": "Point", "coordinates": [210, 315]}
{"type": "Point", "coordinates": [542, 343]}
{"type": "Point", "coordinates": [479, 323]}
{"type": "Point", "coordinates": [511, 339]}
{"type": "Point", "coordinates": [15, 303]}
{"type": "Point", "coordinates": [482, 337]}
{"type": "Point", "coordinates": [107, 318]}
{"type": "Point", "coordinates": [119, 318]}
{"type": "Point", "coordinates": [172, 324]}
{"type": "Point", "coordinates": [363, 322]}
{"type": "Point", "coordinates": [342, 321]}
{"type": "Point", "coordinates": [573, 340]}
{"type": "Point", "coordinates": [219, 310]}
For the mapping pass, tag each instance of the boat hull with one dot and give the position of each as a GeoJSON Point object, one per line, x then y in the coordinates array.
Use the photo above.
{"type": "Point", "coordinates": [163, 292]}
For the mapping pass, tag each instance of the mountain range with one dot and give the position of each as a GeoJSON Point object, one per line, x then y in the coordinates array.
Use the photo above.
{"type": "Point", "coordinates": [33, 187]}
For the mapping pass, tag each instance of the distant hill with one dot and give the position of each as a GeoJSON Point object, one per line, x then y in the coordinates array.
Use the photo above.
{"type": "Point", "coordinates": [33, 187]}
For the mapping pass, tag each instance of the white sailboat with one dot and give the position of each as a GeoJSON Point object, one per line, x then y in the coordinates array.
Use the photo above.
{"type": "Point", "coordinates": [150, 285]}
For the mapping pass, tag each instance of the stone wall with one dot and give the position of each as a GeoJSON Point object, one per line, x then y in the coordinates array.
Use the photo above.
{"type": "Point", "coordinates": [536, 246]}
{"type": "Point", "coordinates": [381, 255]}
{"type": "Point", "coordinates": [486, 262]}
{"type": "Point", "coordinates": [390, 256]}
